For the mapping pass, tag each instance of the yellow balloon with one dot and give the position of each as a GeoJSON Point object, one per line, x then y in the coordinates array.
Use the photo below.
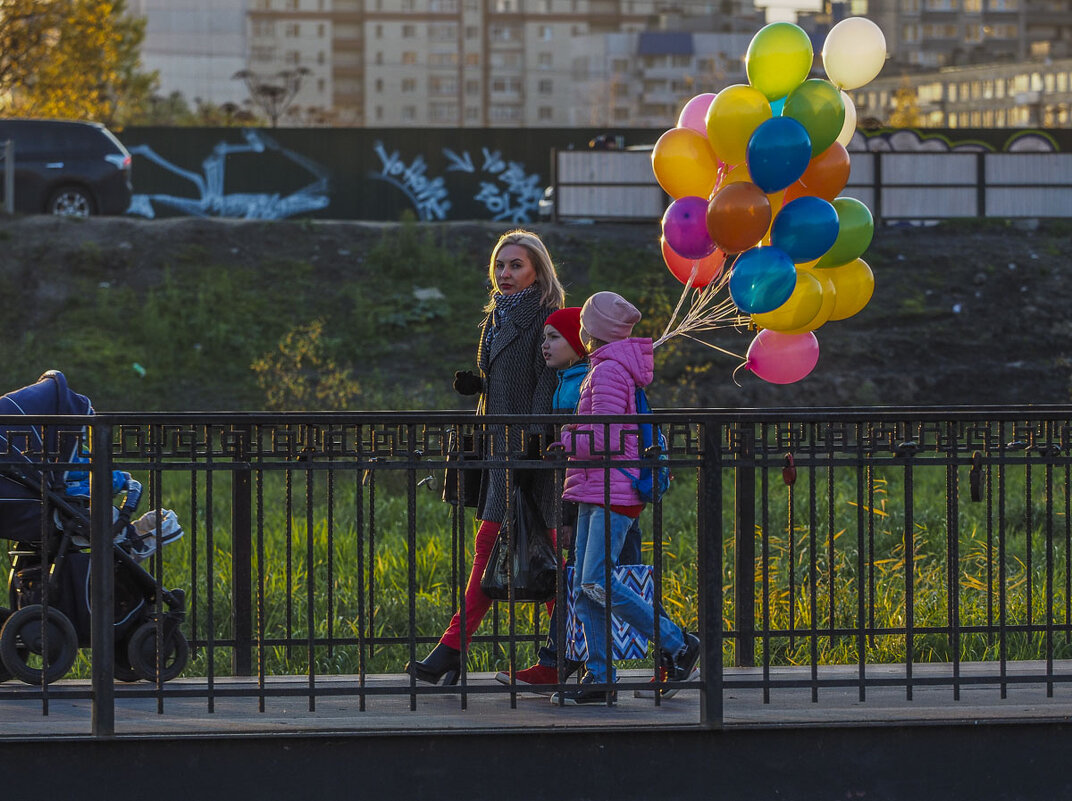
{"type": "Point", "coordinates": [854, 52]}
{"type": "Point", "coordinates": [684, 164]}
{"type": "Point", "coordinates": [799, 310]}
{"type": "Point", "coordinates": [849, 128]}
{"type": "Point", "coordinates": [779, 58]}
{"type": "Point", "coordinates": [829, 299]}
{"type": "Point", "coordinates": [738, 174]}
{"type": "Point", "coordinates": [855, 285]}
{"type": "Point", "coordinates": [732, 117]}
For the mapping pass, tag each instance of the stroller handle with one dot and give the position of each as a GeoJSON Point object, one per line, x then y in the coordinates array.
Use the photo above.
{"type": "Point", "coordinates": [130, 503]}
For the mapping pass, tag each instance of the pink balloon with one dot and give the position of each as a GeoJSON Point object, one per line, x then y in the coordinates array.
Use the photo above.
{"type": "Point", "coordinates": [694, 115]}
{"type": "Point", "coordinates": [782, 358]}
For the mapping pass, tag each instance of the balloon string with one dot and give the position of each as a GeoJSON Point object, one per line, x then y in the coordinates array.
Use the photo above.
{"type": "Point", "coordinates": [677, 308]}
{"type": "Point", "coordinates": [736, 370]}
{"type": "Point", "coordinates": [716, 347]}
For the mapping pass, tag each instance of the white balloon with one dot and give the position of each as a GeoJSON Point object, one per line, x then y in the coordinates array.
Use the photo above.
{"type": "Point", "coordinates": [849, 128]}
{"type": "Point", "coordinates": [854, 52]}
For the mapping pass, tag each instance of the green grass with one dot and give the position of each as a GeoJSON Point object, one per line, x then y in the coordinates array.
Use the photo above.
{"type": "Point", "coordinates": [802, 617]}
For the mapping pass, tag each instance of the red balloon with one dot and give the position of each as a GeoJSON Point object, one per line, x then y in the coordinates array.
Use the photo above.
{"type": "Point", "coordinates": [707, 269]}
{"type": "Point", "coordinates": [738, 216]}
{"type": "Point", "coordinates": [827, 173]}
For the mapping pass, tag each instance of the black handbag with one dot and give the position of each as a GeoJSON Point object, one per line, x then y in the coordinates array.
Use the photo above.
{"type": "Point", "coordinates": [461, 485]}
{"type": "Point", "coordinates": [531, 559]}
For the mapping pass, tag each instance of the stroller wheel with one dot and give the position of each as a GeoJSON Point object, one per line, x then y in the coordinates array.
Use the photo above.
{"type": "Point", "coordinates": [142, 653]}
{"type": "Point", "coordinates": [5, 674]}
{"type": "Point", "coordinates": [123, 670]}
{"type": "Point", "coordinates": [21, 645]}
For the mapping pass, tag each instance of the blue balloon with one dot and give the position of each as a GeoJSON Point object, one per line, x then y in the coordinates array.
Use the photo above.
{"type": "Point", "coordinates": [762, 280]}
{"type": "Point", "coordinates": [778, 153]}
{"type": "Point", "coordinates": [805, 228]}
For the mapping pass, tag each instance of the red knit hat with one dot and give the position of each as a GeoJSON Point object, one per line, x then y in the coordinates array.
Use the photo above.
{"type": "Point", "coordinates": [567, 322]}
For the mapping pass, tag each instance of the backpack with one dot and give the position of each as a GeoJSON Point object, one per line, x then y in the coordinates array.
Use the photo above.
{"type": "Point", "coordinates": [652, 483]}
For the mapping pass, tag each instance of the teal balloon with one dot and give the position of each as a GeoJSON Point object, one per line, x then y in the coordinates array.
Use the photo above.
{"type": "Point", "coordinates": [818, 106]}
{"type": "Point", "coordinates": [776, 106]}
{"type": "Point", "coordinates": [805, 228]}
{"type": "Point", "coordinates": [778, 153]}
{"type": "Point", "coordinates": [762, 280]}
{"type": "Point", "coordinates": [856, 226]}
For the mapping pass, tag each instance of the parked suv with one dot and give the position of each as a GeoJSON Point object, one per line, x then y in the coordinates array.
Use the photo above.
{"type": "Point", "coordinates": [65, 167]}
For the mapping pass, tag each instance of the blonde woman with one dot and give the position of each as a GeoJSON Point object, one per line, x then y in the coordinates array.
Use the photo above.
{"type": "Point", "coordinates": [513, 379]}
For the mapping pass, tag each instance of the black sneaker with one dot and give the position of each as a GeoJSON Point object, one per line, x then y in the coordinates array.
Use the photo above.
{"type": "Point", "coordinates": [585, 695]}
{"type": "Point", "coordinates": [681, 667]}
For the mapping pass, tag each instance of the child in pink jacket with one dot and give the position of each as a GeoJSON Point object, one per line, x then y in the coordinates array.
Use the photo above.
{"type": "Point", "coordinates": [619, 364]}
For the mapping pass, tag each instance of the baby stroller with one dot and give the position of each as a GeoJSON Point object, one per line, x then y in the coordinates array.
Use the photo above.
{"type": "Point", "coordinates": [48, 520]}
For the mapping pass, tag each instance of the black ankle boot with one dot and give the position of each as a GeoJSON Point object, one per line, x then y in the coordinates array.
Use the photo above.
{"type": "Point", "coordinates": [443, 663]}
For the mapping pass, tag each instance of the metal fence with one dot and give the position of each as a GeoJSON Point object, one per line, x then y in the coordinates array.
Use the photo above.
{"type": "Point", "coordinates": [811, 550]}
{"type": "Point", "coordinates": [895, 186]}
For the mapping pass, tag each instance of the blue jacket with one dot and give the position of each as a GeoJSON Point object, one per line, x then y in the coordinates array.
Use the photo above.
{"type": "Point", "coordinates": [568, 391]}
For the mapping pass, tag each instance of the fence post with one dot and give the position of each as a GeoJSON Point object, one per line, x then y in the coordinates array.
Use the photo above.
{"type": "Point", "coordinates": [9, 176]}
{"type": "Point", "coordinates": [709, 565]}
{"type": "Point", "coordinates": [241, 556]}
{"type": "Point", "coordinates": [745, 538]}
{"type": "Point", "coordinates": [102, 582]}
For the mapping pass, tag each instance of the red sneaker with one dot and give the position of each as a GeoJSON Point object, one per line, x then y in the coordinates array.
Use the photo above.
{"type": "Point", "coordinates": [669, 692]}
{"type": "Point", "coordinates": [535, 675]}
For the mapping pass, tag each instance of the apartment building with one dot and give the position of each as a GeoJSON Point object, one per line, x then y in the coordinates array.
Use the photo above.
{"type": "Point", "coordinates": [643, 79]}
{"type": "Point", "coordinates": [195, 46]}
{"type": "Point", "coordinates": [931, 34]}
{"type": "Point", "coordinates": [1030, 94]}
{"type": "Point", "coordinates": [477, 63]}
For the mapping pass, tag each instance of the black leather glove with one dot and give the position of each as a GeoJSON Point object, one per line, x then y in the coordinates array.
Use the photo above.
{"type": "Point", "coordinates": [465, 383]}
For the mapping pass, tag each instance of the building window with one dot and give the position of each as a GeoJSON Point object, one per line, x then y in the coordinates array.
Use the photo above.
{"type": "Point", "coordinates": [973, 6]}
{"type": "Point", "coordinates": [545, 33]}
{"type": "Point", "coordinates": [443, 59]}
{"type": "Point", "coordinates": [320, 85]}
{"type": "Point", "coordinates": [545, 86]}
{"type": "Point", "coordinates": [321, 30]}
{"type": "Point", "coordinates": [545, 61]}
{"type": "Point", "coordinates": [472, 113]}
{"type": "Point", "coordinates": [379, 85]}
{"type": "Point", "coordinates": [409, 58]}
{"type": "Point", "coordinates": [262, 53]}
{"type": "Point", "coordinates": [292, 5]}
{"type": "Point", "coordinates": [321, 58]}
{"type": "Point", "coordinates": [293, 29]}
{"type": "Point", "coordinates": [444, 112]}
{"type": "Point", "coordinates": [379, 58]}
{"type": "Point", "coordinates": [293, 57]}
{"type": "Point", "coordinates": [472, 31]}
{"type": "Point", "coordinates": [379, 112]}
{"type": "Point", "coordinates": [409, 113]}
{"type": "Point", "coordinates": [409, 84]}
{"type": "Point", "coordinates": [409, 31]}
{"type": "Point", "coordinates": [472, 59]}
{"type": "Point", "coordinates": [264, 27]}
{"type": "Point", "coordinates": [545, 113]}
{"type": "Point", "coordinates": [443, 6]}
{"type": "Point", "coordinates": [379, 32]}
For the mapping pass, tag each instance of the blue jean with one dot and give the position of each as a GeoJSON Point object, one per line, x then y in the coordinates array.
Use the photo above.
{"type": "Point", "coordinates": [629, 555]}
{"type": "Point", "coordinates": [588, 580]}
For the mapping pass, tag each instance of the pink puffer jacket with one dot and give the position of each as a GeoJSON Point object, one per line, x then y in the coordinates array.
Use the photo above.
{"type": "Point", "coordinates": [618, 368]}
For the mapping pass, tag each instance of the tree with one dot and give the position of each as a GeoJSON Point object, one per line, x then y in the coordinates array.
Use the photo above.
{"type": "Point", "coordinates": [905, 112]}
{"type": "Point", "coordinates": [274, 94]}
{"type": "Point", "coordinates": [72, 58]}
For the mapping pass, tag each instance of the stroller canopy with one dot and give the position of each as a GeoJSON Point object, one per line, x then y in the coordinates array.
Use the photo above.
{"type": "Point", "coordinates": [50, 395]}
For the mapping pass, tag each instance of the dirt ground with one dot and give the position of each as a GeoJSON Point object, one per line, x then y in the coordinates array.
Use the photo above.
{"type": "Point", "coordinates": [963, 313]}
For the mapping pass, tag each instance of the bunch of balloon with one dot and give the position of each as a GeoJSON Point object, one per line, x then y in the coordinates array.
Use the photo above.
{"type": "Point", "coordinates": [756, 172]}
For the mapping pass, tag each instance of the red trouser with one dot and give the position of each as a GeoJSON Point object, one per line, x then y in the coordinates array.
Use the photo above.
{"type": "Point", "coordinates": [476, 602]}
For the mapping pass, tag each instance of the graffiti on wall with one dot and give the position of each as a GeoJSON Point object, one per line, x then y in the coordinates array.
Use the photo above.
{"type": "Point", "coordinates": [505, 188]}
{"type": "Point", "coordinates": [213, 200]}
{"type": "Point", "coordinates": [910, 140]}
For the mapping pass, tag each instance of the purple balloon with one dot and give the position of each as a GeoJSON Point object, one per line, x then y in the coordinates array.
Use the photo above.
{"type": "Point", "coordinates": [685, 227]}
{"type": "Point", "coordinates": [778, 153]}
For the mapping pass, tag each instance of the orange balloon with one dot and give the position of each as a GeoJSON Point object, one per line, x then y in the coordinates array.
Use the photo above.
{"type": "Point", "coordinates": [738, 216]}
{"type": "Point", "coordinates": [707, 269]}
{"type": "Point", "coordinates": [684, 163]}
{"type": "Point", "coordinates": [827, 173]}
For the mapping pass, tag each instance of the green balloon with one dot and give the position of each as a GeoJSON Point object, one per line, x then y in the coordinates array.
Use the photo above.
{"type": "Point", "coordinates": [779, 58]}
{"type": "Point", "coordinates": [855, 229]}
{"type": "Point", "coordinates": [817, 105]}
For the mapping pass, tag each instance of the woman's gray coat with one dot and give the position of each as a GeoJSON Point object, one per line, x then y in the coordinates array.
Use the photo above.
{"type": "Point", "coordinates": [516, 381]}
